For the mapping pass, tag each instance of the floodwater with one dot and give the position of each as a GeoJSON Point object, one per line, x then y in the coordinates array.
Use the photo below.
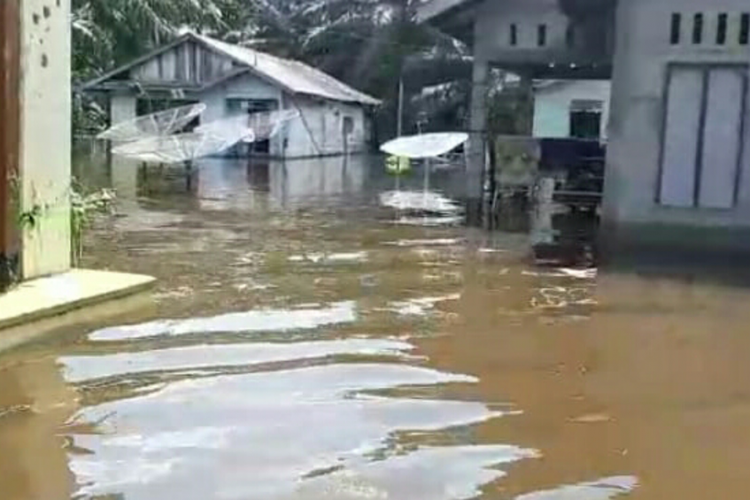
{"type": "Point", "coordinates": [306, 343]}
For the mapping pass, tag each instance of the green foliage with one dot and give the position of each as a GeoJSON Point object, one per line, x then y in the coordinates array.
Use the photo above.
{"type": "Point", "coordinates": [366, 43]}
{"type": "Point", "coordinates": [84, 206]}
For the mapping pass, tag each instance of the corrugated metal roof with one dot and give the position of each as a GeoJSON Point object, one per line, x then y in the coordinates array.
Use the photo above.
{"type": "Point", "coordinates": [435, 8]}
{"type": "Point", "coordinates": [294, 76]}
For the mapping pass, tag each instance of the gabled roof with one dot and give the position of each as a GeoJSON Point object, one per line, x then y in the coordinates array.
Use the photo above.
{"type": "Point", "coordinates": [293, 76]}
{"type": "Point", "coordinates": [434, 9]}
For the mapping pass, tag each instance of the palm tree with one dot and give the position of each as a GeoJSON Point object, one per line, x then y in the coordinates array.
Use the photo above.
{"type": "Point", "coordinates": [110, 32]}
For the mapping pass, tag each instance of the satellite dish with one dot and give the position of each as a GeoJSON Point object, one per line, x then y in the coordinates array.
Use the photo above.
{"type": "Point", "coordinates": [425, 145]}
{"type": "Point", "coordinates": [180, 148]}
{"type": "Point", "coordinates": [155, 124]}
{"type": "Point", "coordinates": [234, 129]}
{"type": "Point", "coordinates": [266, 124]}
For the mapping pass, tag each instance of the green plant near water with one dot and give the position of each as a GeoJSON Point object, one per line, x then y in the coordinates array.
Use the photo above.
{"type": "Point", "coordinates": [85, 205]}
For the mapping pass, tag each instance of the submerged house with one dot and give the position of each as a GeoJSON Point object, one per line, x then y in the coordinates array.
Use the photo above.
{"type": "Point", "coordinates": [229, 79]}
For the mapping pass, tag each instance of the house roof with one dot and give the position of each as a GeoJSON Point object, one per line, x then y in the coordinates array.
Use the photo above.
{"type": "Point", "coordinates": [293, 76]}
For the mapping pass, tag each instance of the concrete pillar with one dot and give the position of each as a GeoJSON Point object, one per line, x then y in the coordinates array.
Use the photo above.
{"type": "Point", "coordinates": [122, 107]}
{"type": "Point", "coordinates": [478, 136]}
{"type": "Point", "coordinates": [45, 136]}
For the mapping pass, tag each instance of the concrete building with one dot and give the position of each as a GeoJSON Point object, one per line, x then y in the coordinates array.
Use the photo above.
{"type": "Point", "coordinates": [35, 183]}
{"type": "Point", "coordinates": [678, 166]}
{"type": "Point", "coordinates": [229, 80]}
{"type": "Point", "coordinates": [571, 109]}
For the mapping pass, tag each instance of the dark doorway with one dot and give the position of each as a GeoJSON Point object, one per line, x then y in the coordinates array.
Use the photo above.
{"type": "Point", "coordinates": [251, 106]}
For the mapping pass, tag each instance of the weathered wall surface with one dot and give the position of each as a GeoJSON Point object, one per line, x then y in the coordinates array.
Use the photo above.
{"type": "Point", "coordinates": [639, 105]}
{"type": "Point", "coordinates": [244, 87]}
{"type": "Point", "coordinates": [552, 106]}
{"type": "Point", "coordinates": [45, 135]}
{"type": "Point", "coordinates": [186, 63]}
{"type": "Point", "coordinates": [509, 32]}
{"type": "Point", "coordinates": [320, 129]}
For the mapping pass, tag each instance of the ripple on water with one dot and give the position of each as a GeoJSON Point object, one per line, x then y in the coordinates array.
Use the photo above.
{"type": "Point", "coordinates": [604, 489]}
{"type": "Point", "coordinates": [264, 320]}
{"type": "Point", "coordinates": [195, 357]}
{"type": "Point", "coordinates": [268, 436]}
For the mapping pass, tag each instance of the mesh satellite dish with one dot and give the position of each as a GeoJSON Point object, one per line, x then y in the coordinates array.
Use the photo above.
{"type": "Point", "coordinates": [181, 148]}
{"type": "Point", "coordinates": [163, 123]}
{"type": "Point", "coordinates": [266, 124]}
{"type": "Point", "coordinates": [235, 128]}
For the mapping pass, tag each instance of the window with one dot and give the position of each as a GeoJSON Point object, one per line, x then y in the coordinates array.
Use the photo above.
{"type": "Point", "coordinates": [513, 35]}
{"type": "Point", "coordinates": [721, 29]}
{"type": "Point", "coordinates": [586, 119]}
{"type": "Point", "coordinates": [541, 35]}
{"type": "Point", "coordinates": [698, 29]}
{"type": "Point", "coordinates": [676, 28]}
{"type": "Point", "coordinates": [745, 28]}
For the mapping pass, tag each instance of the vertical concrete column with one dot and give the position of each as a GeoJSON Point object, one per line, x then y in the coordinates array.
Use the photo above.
{"type": "Point", "coordinates": [624, 156]}
{"type": "Point", "coordinates": [478, 136]}
{"type": "Point", "coordinates": [122, 107]}
{"type": "Point", "coordinates": [45, 136]}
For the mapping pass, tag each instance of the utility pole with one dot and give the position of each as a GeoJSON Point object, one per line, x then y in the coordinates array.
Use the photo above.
{"type": "Point", "coordinates": [10, 50]}
{"type": "Point", "coordinates": [400, 117]}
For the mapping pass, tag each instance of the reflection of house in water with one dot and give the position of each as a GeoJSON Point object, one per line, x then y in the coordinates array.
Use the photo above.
{"type": "Point", "coordinates": [224, 184]}
{"type": "Point", "coordinates": [295, 181]}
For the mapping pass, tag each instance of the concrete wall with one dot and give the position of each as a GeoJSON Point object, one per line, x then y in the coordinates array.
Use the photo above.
{"type": "Point", "coordinates": [638, 110]}
{"type": "Point", "coordinates": [45, 135]}
{"type": "Point", "coordinates": [552, 106]}
{"type": "Point", "coordinates": [494, 22]}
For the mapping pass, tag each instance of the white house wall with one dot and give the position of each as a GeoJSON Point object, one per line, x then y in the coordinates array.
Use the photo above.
{"type": "Point", "coordinates": [552, 106]}
{"type": "Point", "coordinates": [319, 129]}
{"type": "Point", "coordinates": [635, 180]}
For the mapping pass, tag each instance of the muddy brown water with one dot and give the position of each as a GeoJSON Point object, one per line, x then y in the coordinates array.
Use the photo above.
{"type": "Point", "coordinates": [304, 345]}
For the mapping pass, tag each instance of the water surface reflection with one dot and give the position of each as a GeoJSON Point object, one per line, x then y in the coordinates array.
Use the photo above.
{"type": "Point", "coordinates": [304, 346]}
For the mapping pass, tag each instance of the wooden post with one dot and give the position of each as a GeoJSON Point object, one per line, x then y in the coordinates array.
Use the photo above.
{"type": "Point", "coordinates": [9, 134]}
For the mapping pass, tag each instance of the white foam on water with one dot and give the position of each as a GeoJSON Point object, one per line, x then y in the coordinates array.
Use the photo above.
{"type": "Point", "coordinates": [261, 320]}
{"type": "Point", "coordinates": [269, 436]}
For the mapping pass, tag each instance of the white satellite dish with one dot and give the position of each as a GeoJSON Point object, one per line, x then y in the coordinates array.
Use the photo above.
{"type": "Point", "coordinates": [153, 125]}
{"type": "Point", "coordinates": [425, 145]}
{"type": "Point", "coordinates": [233, 129]}
{"type": "Point", "coordinates": [266, 124]}
{"type": "Point", "coordinates": [180, 148]}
